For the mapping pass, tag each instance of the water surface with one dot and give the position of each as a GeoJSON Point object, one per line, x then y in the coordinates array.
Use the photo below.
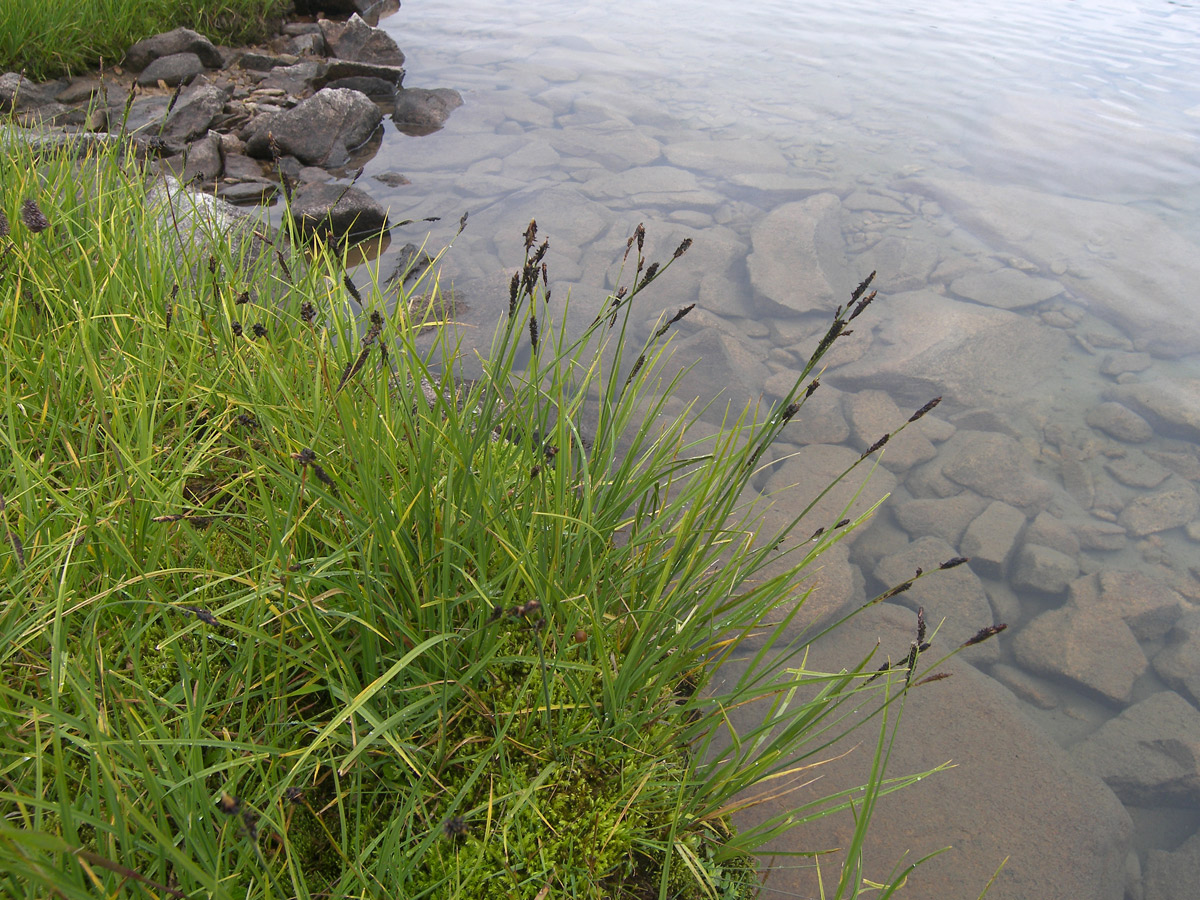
{"type": "Point", "coordinates": [1024, 176]}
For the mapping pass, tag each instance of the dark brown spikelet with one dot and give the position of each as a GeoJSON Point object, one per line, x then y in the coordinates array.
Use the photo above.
{"type": "Point", "coordinates": [957, 561]}
{"type": "Point", "coordinates": [242, 299]}
{"type": "Point", "coordinates": [212, 264]}
{"type": "Point", "coordinates": [860, 306]}
{"type": "Point", "coordinates": [537, 257]}
{"type": "Point", "coordinates": [375, 330]}
{"type": "Point", "coordinates": [349, 283]}
{"type": "Point", "coordinates": [33, 217]}
{"type": "Point", "coordinates": [808, 391]}
{"type": "Point", "coordinates": [866, 283]}
{"type": "Point", "coordinates": [929, 679]}
{"type": "Point", "coordinates": [170, 307]}
{"type": "Point", "coordinates": [530, 234]}
{"type": "Point", "coordinates": [3, 225]}
{"type": "Point", "coordinates": [983, 634]}
{"type": "Point", "coordinates": [462, 223]}
{"type": "Point", "coordinates": [247, 421]}
{"type": "Point", "coordinates": [637, 367]}
{"type": "Point", "coordinates": [789, 411]}
{"type": "Point", "coordinates": [175, 97]}
{"type": "Point", "coordinates": [283, 265]}
{"type": "Point", "coordinates": [323, 477]}
{"type": "Point", "coordinates": [920, 624]}
{"type": "Point", "coordinates": [924, 409]}
{"type": "Point", "coordinates": [236, 327]}
{"type": "Point", "coordinates": [533, 332]}
{"type": "Point", "coordinates": [640, 234]}
{"type": "Point", "coordinates": [816, 534]}
{"type": "Point", "coordinates": [878, 445]}
{"type": "Point", "coordinates": [682, 248]}
{"type": "Point", "coordinates": [231, 806]}
{"type": "Point", "coordinates": [259, 329]}
{"type": "Point", "coordinates": [308, 312]}
{"type": "Point", "coordinates": [651, 272]}
{"type": "Point", "coordinates": [842, 524]}
{"type": "Point", "coordinates": [202, 614]}
{"type": "Point", "coordinates": [455, 828]}
{"type": "Point", "coordinates": [514, 287]}
{"type": "Point", "coordinates": [892, 592]}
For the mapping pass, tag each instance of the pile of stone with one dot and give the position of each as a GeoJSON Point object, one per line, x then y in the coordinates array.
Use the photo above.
{"type": "Point", "coordinates": [246, 124]}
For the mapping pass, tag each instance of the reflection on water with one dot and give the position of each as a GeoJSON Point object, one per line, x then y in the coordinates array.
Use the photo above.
{"type": "Point", "coordinates": [1025, 177]}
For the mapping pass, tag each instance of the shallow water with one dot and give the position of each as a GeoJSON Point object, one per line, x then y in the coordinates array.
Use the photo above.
{"type": "Point", "coordinates": [1024, 176]}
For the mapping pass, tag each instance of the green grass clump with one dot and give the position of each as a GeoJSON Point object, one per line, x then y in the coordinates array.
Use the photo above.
{"type": "Point", "coordinates": [292, 609]}
{"type": "Point", "coordinates": [48, 38]}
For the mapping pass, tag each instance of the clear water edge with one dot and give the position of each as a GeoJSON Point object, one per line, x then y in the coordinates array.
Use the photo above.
{"type": "Point", "coordinates": [1097, 102]}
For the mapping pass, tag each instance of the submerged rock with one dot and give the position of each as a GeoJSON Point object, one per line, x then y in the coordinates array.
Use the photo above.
{"type": "Point", "coordinates": [419, 110]}
{"type": "Point", "coordinates": [1149, 754]}
{"type": "Point", "coordinates": [991, 807]}
{"type": "Point", "coordinates": [798, 261]}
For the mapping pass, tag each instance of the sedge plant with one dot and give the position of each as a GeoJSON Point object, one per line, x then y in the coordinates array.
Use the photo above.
{"type": "Point", "coordinates": [293, 608]}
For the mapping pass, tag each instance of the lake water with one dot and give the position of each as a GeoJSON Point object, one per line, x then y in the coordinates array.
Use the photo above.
{"type": "Point", "coordinates": [1025, 178]}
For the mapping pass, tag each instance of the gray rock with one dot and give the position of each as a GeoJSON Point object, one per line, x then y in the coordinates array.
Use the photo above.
{"type": "Point", "coordinates": [1146, 286]}
{"type": "Point", "coordinates": [945, 518]}
{"type": "Point", "coordinates": [1173, 402]}
{"type": "Point", "coordinates": [996, 466]}
{"type": "Point", "coordinates": [1029, 688]}
{"type": "Point", "coordinates": [295, 81]}
{"type": "Point", "coordinates": [54, 140]}
{"type": "Point", "coordinates": [18, 93]}
{"type": "Point", "coordinates": [1173, 875]}
{"type": "Point", "coordinates": [1006, 288]}
{"type": "Point", "coordinates": [1100, 535]}
{"type": "Point", "coordinates": [319, 131]}
{"type": "Point", "coordinates": [338, 69]}
{"type": "Point", "coordinates": [955, 595]}
{"type": "Point", "coordinates": [1072, 845]}
{"type": "Point", "coordinates": [242, 168]}
{"type": "Point", "coordinates": [726, 157]}
{"type": "Point", "coordinates": [1121, 362]}
{"type": "Point", "coordinates": [203, 160]}
{"type": "Point", "coordinates": [265, 62]}
{"type": "Point", "coordinates": [871, 415]}
{"type": "Point", "coordinates": [1097, 653]}
{"type": "Point", "coordinates": [798, 261]}
{"type": "Point", "coordinates": [1120, 422]}
{"type": "Point", "coordinates": [1051, 531]}
{"type": "Point", "coordinates": [1044, 570]}
{"type": "Point", "coordinates": [194, 113]}
{"type": "Point", "coordinates": [1161, 511]}
{"type": "Point", "coordinates": [1178, 662]}
{"type": "Point", "coordinates": [195, 223]}
{"type": "Point", "coordinates": [821, 419]}
{"type": "Point", "coordinates": [370, 10]}
{"type": "Point", "coordinates": [422, 111]}
{"type": "Point", "coordinates": [813, 468]}
{"type": "Point", "coordinates": [172, 70]}
{"type": "Point", "coordinates": [906, 263]}
{"type": "Point", "coordinates": [991, 539]}
{"type": "Point", "coordinates": [355, 39]}
{"type": "Point", "coordinates": [926, 344]}
{"type": "Point", "coordinates": [1137, 470]}
{"type": "Point", "coordinates": [336, 210]}
{"type": "Point", "coordinates": [375, 88]}
{"type": "Point", "coordinates": [248, 193]}
{"type": "Point", "coordinates": [1149, 754]}
{"type": "Point", "coordinates": [181, 40]}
